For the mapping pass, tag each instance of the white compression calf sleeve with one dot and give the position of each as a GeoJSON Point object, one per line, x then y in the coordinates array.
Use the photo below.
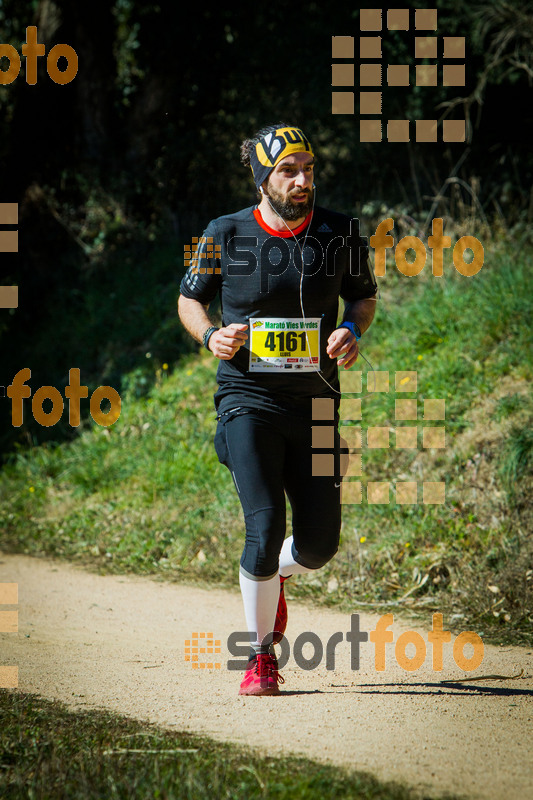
{"type": "Point", "coordinates": [260, 599]}
{"type": "Point", "coordinates": [287, 565]}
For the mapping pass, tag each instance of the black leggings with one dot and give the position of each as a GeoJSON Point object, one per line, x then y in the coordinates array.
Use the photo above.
{"type": "Point", "coordinates": [270, 454]}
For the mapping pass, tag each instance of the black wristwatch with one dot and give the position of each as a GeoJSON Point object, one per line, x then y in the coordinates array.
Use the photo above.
{"type": "Point", "coordinates": [207, 335]}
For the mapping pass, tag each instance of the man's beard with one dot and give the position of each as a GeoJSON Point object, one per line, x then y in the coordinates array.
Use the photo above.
{"type": "Point", "coordinates": [287, 209]}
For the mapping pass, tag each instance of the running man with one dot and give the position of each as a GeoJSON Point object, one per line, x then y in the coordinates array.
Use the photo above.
{"type": "Point", "coordinates": [280, 268]}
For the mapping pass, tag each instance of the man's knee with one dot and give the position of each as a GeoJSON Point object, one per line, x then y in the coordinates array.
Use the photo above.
{"type": "Point", "coordinates": [316, 550]}
{"type": "Point", "coordinates": [265, 532]}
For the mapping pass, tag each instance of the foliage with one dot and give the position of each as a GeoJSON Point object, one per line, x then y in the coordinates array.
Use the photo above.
{"type": "Point", "coordinates": [142, 146]}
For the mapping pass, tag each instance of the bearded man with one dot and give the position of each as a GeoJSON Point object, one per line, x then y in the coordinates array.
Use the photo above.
{"type": "Point", "coordinates": [280, 268]}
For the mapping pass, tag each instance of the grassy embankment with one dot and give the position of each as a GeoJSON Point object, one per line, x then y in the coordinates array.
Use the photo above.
{"type": "Point", "coordinates": [148, 495]}
{"type": "Point", "coordinates": [49, 753]}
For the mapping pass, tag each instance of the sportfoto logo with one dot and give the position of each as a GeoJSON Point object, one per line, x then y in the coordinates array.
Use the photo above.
{"type": "Point", "coordinates": [31, 51]}
{"type": "Point", "coordinates": [74, 391]}
{"type": "Point", "coordinates": [244, 256]}
{"type": "Point", "coordinates": [9, 243]}
{"type": "Point", "coordinates": [239, 645]}
{"type": "Point", "coordinates": [358, 440]}
{"type": "Point", "coordinates": [9, 623]}
{"type": "Point", "coordinates": [416, 29]}
{"type": "Point", "coordinates": [437, 243]}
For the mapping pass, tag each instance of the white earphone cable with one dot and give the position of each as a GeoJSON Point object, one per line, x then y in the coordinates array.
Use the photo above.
{"type": "Point", "coordinates": [301, 249]}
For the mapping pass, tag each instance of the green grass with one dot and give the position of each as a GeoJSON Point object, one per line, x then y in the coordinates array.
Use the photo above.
{"type": "Point", "coordinates": [517, 459]}
{"type": "Point", "coordinates": [148, 495]}
{"type": "Point", "coordinates": [50, 753]}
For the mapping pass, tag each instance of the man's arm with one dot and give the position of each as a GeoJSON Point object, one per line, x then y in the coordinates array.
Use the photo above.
{"type": "Point", "coordinates": [361, 312]}
{"type": "Point", "coordinates": [342, 342]}
{"type": "Point", "coordinates": [223, 343]}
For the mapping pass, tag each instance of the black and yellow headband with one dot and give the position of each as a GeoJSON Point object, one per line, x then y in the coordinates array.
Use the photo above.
{"type": "Point", "coordinates": [273, 147]}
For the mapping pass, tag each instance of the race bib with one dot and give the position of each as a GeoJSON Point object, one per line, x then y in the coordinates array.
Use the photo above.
{"type": "Point", "coordinates": [284, 344]}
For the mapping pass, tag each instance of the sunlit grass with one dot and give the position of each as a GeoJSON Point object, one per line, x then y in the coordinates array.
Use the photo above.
{"type": "Point", "coordinates": [48, 752]}
{"type": "Point", "coordinates": [148, 494]}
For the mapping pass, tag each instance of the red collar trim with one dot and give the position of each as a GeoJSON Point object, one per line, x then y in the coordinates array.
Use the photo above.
{"type": "Point", "coordinates": [283, 234]}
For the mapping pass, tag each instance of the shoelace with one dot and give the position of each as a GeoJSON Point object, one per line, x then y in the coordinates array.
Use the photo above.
{"type": "Point", "coordinates": [265, 666]}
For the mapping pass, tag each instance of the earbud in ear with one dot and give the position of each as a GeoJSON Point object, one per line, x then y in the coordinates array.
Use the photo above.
{"type": "Point", "coordinates": [261, 190]}
{"type": "Point", "coordinates": [314, 185]}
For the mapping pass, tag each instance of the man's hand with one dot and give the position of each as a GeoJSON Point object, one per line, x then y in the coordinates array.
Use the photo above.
{"type": "Point", "coordinates": [342, 341]}
{"type": "Point", "coordinates": [225, 342]}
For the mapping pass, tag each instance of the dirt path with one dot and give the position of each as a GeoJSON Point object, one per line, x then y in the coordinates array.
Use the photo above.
{"type": "Point", "coordinates": [118, 642]}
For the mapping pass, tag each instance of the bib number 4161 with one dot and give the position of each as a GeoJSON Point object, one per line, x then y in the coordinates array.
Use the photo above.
{"type": "Point", "coordinates": [287, 341]}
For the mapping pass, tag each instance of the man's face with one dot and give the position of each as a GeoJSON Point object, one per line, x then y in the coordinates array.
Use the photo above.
{"type": "Point", "coordinates": [290, 186]}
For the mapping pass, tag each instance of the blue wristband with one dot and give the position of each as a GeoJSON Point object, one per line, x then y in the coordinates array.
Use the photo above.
{"type": "Point", "coordinates": [351, 327]}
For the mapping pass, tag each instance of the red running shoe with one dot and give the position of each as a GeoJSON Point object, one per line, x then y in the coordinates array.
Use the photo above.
{"type": "Point", "coordinates": [261, 676]}
{"type": "Point", "coordinates": [280, 625]}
